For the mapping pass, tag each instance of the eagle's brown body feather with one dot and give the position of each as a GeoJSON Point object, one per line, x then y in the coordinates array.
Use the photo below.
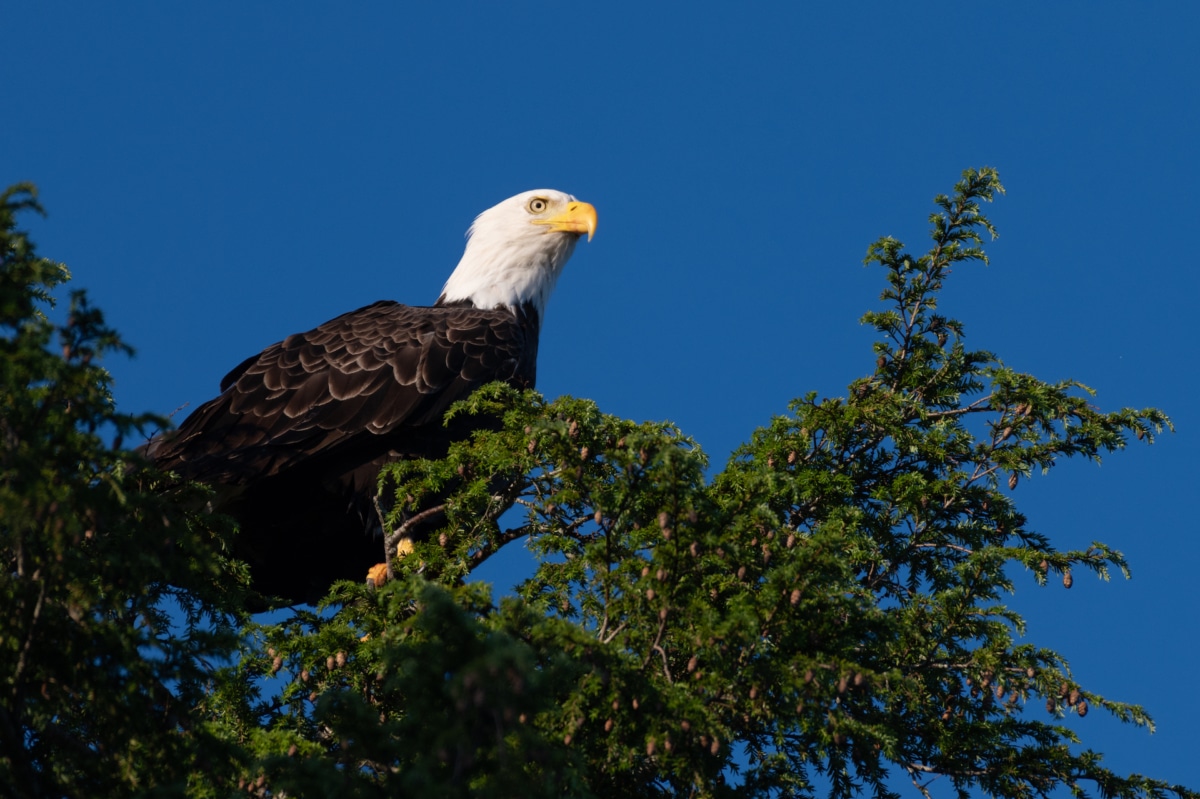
{"type": "Point", "coordinates": [299, 433]}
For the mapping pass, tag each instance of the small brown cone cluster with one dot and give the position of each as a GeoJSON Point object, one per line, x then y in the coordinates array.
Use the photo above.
{"type": "Point", "coordinates": [1072, 697]}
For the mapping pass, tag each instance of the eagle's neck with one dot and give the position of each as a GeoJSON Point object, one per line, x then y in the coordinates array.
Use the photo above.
{"type": "Point", "coordinates": [509, 273]}
{"type": "Point", "coordinates": [525, 315]}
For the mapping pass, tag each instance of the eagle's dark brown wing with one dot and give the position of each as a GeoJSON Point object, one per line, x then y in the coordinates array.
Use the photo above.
{"type": "Point", "coordinates": [360, 382]}
{"type": "Point", "coordinates": [299, 432]}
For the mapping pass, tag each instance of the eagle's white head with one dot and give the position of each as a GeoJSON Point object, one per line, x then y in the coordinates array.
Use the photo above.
{"type": "Point", "coordinates": [517, 249]}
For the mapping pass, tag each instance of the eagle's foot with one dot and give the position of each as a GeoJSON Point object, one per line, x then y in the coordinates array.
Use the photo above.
{"type": "Point", "coordinates": [377, 575]}
{"type": "Point", "coordinates": [380, 573]}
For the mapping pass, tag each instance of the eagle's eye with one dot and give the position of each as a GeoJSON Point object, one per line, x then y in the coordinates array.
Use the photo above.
{"type": "Point", "coordinates": [537, 205]}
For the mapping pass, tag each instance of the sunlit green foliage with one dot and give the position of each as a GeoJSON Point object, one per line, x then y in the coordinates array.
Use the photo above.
{"type": "Point", "coordinates": [823, 616]}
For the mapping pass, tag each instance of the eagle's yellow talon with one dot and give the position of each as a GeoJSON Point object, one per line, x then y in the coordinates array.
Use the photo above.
{"type": "Point", "coordinates": [377, 575]}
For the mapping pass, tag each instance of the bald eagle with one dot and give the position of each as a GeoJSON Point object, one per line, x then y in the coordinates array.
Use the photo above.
{"type": "Point", "coordinates": [296, 439]}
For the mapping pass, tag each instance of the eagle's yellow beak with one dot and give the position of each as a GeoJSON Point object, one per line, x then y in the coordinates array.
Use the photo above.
{"type": "Point", "coordinates": [578, 218]}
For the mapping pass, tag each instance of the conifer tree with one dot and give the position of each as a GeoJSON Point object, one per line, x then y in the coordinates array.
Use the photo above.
{"type": "Point", "coordinates": [825, 615]}
{"type": "Point", "coordinates": [111, 590]}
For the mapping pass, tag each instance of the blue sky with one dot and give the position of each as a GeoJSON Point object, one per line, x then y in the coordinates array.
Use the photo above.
{"type": "Point", "coordinates": [220, 176]}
